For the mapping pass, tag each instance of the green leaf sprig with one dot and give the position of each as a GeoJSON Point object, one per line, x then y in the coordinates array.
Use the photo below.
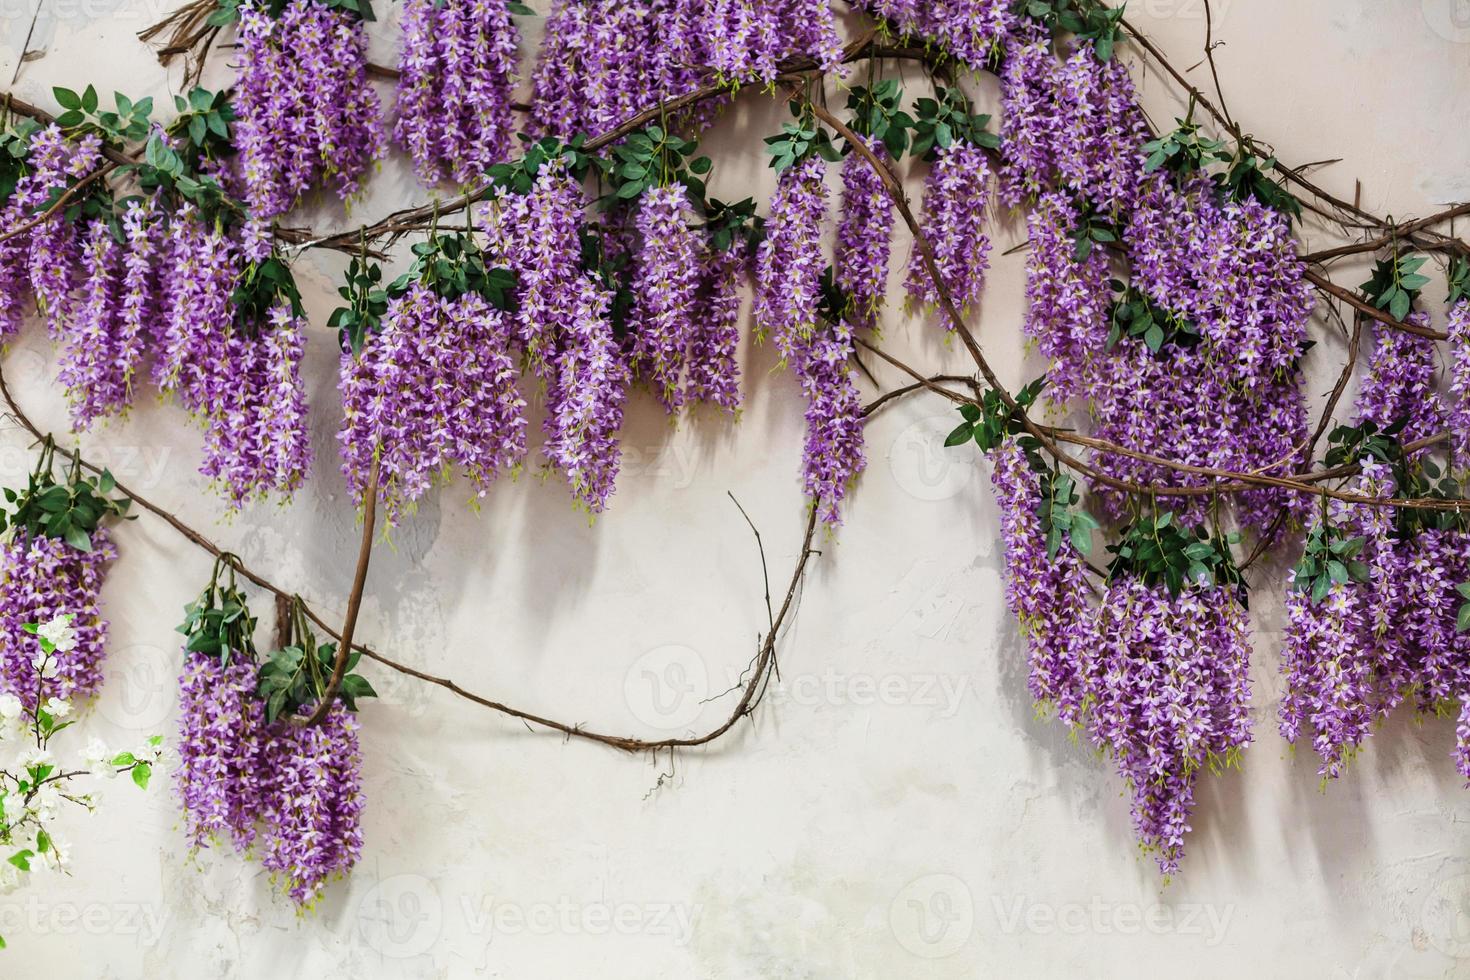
{"type": "Point", "coordinates": [297, 675]}
{"type": "Point", "coordinates": [654, 157]}
{"type": "Point", "coordinates": [945, 120]}
{"type": "Point", "coordinates": [262, 286]}
{"type": "Point", "coordinates": [1330, 558]}
{"type": "Point", "coordinates": [71, 511]}
{"type": "Point", "coordinates": [1158, 549]}
{"type": "Point", "coordinates": [1135, 314]}
{"type": "Point", "coordinates": [128, 122]}
{"type": "Point", "coordinates": [218, 623]}
{"type": "Point", "coordinates": [367, 303]}
{"type": "Point", "coordinates": [1396, 283]}
{"type": "Point", "coordinates": [799, 140]}
{"type": "Point", "coordinates": [877, 113]}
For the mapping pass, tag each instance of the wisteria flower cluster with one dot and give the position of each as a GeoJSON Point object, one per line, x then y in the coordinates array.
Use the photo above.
{"type": "Point", "coordinates": [435, 388]}
{"type": "Point", "coordinates": [789, 261]}
{"type": "Point", "coordinates": [456, 77]}
{"type": "Point", "coordinates": [748, 39]}
{"type": "Point", "coordinates": [290, 793]}
{"type": "Point", "coordinates": [956, 193]}
{"type": "Point", "coordinates": [306, 110]}
{"type": "Point", "coordinates": [971, 31]}
{"type": "Point", "coordinates": [865, 235]}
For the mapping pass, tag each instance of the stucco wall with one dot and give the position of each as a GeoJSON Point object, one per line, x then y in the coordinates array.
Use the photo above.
{"type": "Point", "coordinates": [894, 810]}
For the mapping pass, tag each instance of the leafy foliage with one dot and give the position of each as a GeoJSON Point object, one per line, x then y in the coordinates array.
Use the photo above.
{"type": "Point", "coordinates": [1184, 150]}
{"type": "Point", "coordinates": [947, 119]}
{"type": "Point", "coordinates": [15, 146]}
{"type": "Point", "coordinates": [1092, 228]}
{"type": "Point", "coordinates": [1458, 278]}
{"type": "Point", "coordinates": [262, 286]}
{"type": "Point", "coordinates": [218, 623]}
{"type": "Point", "coordinates": [519, 176]}
{"type": "Point", "coordinates": [1396, 283]}
{"type": "Point", "coordinates": [799, 140]}
{"type": "Point", "coordinates": [1248, 176]}
{"type": "Point", "coordinates": [297, 675]}
{"type": "Point", "coordinates": [367, 303]}
{"type": "Point", "coordinates": [228, 11]}
{"type": "Point", "coordinates": [1158, 549]}
{"type": "Point", "coordinates": [1134, 314]}
{"type": "Point", "coordinates": [128, 122]}
{"type": "Point", "coordinates": [1329, 558]}
{"type": "Point", "coordinates": [654, 157]}
{"type": "Point", "coordinates": [453, 265]}
{"type": "Point", "coordinates": [876, 113]}
{"type": "Point", "coordinates": [71, 511]}
{"type": "Point", "coordinates": [1087, 19]}
{"type": "Point", "coordinates": [726, 224]}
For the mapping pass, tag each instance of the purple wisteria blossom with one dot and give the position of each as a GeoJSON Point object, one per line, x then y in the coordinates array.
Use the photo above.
{"type": "Point", "coordinates": [789, 261]}
{"type": "Point", "coordinates": [55, 249]}
{"type": "Point", "coordinates": [537, 236]}
{"type": "Point", "coordinates": [1067, 312]}
{"type": "Point", "coordinates": [665, 290]}
{"type": "Point", "coordinates": [833, 454]}
{"type": "Point", "coordinates": [1048, 596]}
{"type": "Point", "coordinates": [1030, 122]}
{"type": "Point", "coordinates": [714, 367]}
{"type": "Point", "coordinates": [1170, 693]}
{"type": "Point", "coordinates": [42, 578]}
{"type": "Point", "coordinates": [864, 236]}
{"type": "Point", "coordinates": [1459, 413]}
{"type": "Point", "coordinates": [105, 338]}
{"type": "Point", "coordinates": [584, 401]}
{"type": "Point", "coordinates": [456, 78]}
{"type": "Point", "coordinates": [750, 38]}
{"type": "Point", "coordinates": [1400, 382]}
{"type": "Point", "coordinates": [435, 388]}
{"type": "Point", "coordinates": [1100, 130]}
{"type": "Point", "coordinates": [201, 265]}
{"type": "Point", "coordinates": [257, 440]}
{"type": "Point", "coordinates": [956, 194]}
{"type": "Point", "coordinates": [306, 110]}
{"type": "Point", "coordinates": [222, 737]}
{"type": "Point", "coordinates": [970, 30]}
{"type": "Point", "coordinates": [311, 803]}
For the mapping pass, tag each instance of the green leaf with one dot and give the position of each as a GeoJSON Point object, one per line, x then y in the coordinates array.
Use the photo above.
{"type": "Point", "coordinates": [961, 434]}
{"type": "Point", "coordinates": [142, 772]}
{"type": "Point", "coordinates": [66, 98]}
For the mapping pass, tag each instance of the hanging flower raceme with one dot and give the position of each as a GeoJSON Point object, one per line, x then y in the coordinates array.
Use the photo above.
{"type": "Point", "coordinates": [833, 454]}
{"type": "Point", "coordinates": [536, 235]}
{"type": "Point", "coordinates": [1400, 383]}
{"type": "Point", "coordinates": [434, 386]}
{"type": "Point", "coordinates": [55, 251]}
{"type": "Point", "coordinates": [312, 811]}
{"type": "Point", "coordinates": [864, 235]}
{"type": "Point", "coordinates": [257, 438]}
{"type": "Point", "coordinates": [109, 330]}
{"type": "Point", "coordinates": [970, 30]}
{"type": "Point", "coordinates": [456, 78]}
{"type": "Point", "coordinates": [1031, 123]}
{"type": "Point", "coordinates": [201, 266]}
{"type": "Point", "coordinates": [250, 770]}
{"type": "Point", "coordinates": [665, 291]}
{"type": "Point", "coordinates": [750, 38]}
{"type": "Point", "coordinates": [789, 262]}
{"type": "Point", "coordinates": [714, 367]}
{"type": "Point", "coordinates": [54, 557]}
{"type": "Point", "coordinates": [603, 61]}
{"type": "Point", "coordinates": [1459, 333]}
{"type": "Point", "coordinates": [1170, 674]}
{"type": "Point", "coordinates": [1100, 130]}
{"type": "Point", "coordinates": [306, 110]}
{"type": "Point", "coordinates": [1047, 591]}
{"type": "Point", "coordinates": [1067, 312]}
{"type": "Point", "coordinates": [584, 400]}
{"type": "Point", "coordinates": [1343, 661]}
